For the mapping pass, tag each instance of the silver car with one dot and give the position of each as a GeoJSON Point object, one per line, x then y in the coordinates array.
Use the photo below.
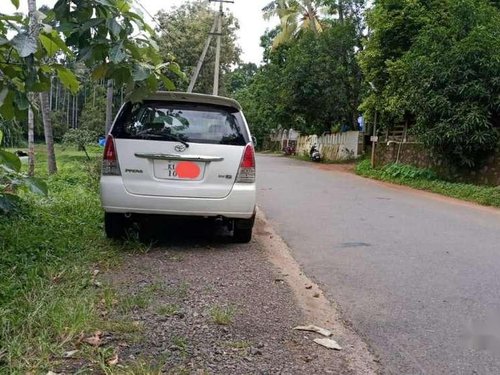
{"type": "Point", "coordinates": [179, 154]}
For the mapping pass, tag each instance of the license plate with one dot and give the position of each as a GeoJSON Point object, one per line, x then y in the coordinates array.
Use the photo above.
{"type": "Point", "coordinates": [179, 170]}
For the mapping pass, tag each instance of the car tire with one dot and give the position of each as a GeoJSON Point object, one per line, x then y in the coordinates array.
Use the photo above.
{"type": "Point", "coordinates": [242, 231]}
{"type": "Point", "coordinates": [114, 225]}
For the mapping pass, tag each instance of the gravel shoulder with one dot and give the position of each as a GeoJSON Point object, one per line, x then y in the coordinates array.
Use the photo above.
{"type": "Point", "coordinates": [203, 305]}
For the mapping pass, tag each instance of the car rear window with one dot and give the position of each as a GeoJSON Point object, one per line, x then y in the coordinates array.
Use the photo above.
{"type": "Point", "coordinates": [167, 121]}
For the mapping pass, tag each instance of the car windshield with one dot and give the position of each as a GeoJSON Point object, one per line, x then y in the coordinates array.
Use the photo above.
{"type": "Point", "coordinates": [183, 122]}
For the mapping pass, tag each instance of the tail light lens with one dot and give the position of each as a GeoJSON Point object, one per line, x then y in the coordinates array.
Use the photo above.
{"type": "Point", "coordinates": [246, 173]}
{"type": "Point", "coordinates": [110, 166]}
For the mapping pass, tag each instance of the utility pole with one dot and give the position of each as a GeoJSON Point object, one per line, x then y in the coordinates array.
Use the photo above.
{"type": "Point", "coordinates": [203, 55]}
{"type": "Point", "coordinates": [217, 52]}
{"type": "Point", "coordinates": [217, 24]}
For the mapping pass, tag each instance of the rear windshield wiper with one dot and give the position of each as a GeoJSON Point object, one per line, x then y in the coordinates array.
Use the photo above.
{"type": "Point", "coordinates": [148, 133]}
{"type": "Point", "coordinates": [176, 138]}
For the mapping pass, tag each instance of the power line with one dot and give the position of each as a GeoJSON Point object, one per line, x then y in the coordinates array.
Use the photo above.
{"type": "Point", "coordinates": [149, 14]}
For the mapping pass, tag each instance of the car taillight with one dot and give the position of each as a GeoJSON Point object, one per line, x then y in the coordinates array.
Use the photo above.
{"type": "Point", "coordinates": [246, 173]}
{"type": "Point", "coordinates": [110, 166]}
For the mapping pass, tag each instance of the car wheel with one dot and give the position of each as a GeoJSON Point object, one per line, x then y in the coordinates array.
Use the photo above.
{"type": "Point", "coordinates": [242, 232]}
{"type": "Point", "coordinates": [114, 225]}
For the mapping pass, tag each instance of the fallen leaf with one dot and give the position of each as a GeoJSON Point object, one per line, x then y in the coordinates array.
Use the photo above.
{"type": "Point", "coordinates": [316, 295]}
{"type": "Point", "coordinates": [70, 353]}
{"type": "Point", "coordinates": [309, 287]}
{"type": "Point", "coordinates": [80, 338]}
{"type": "Point", "coordinates": [328, 343]}
{"type": "Point", "coordinates": [94, 340]}
{"type": "Point", "coordinates": [313, 328]}
{"type": "Point", "coordinates": [114, 360]}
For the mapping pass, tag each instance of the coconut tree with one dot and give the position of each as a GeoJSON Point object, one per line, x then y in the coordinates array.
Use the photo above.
{"type": "Point", "coordinates": [295, 16]}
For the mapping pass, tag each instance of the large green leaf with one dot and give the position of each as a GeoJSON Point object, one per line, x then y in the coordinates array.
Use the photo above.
{"type": "Point", "coordinates": [105, 2]}
{"type": "Point", "coordinates": [68, 79]}
{"type": "Point", "coordinates": [36, 185]}
{"type": "Point", "coordinates": [117, 54]}
{"type": "Point", "coordinates": [3, 95]}
{"type": "Point", "coordinates": [15, 3]}
{"type": "Point", "coordinates": [100, 72]}
{"type": "Point", "coordinates": [140, 72]}
{"type": "Point", "coordinates": [167, 82]}
{"type": "Point", "coordinates": [1, 137]}
{"type": "Point", "coordinates": [7, 110]}
{"type": "Point", "coordinates": [51, 47]}
{"type": "Point", "coordinates": [114, 27]}
{"type": "Point", "coordinates": [123, 5]}
{"type": "Point", "coordinates": [121, 75]}
{"type": "Point", "coordinates": [25, 44]}
{"type": "Point", "coordinates": [54, 41]}
{"type": "Point", "coordinates": [10, 160]}
{"type": "Point", "coordinates": [8, 202]}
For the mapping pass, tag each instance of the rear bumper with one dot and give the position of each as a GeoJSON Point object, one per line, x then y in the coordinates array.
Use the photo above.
{"type": "Point", "coordinates": [240, 203]}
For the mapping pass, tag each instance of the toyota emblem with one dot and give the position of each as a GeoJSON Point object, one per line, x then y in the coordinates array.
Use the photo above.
{"type": "Point", "coordinates": [180, 148]}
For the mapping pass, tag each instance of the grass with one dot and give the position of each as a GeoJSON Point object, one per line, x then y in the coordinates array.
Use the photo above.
{"type": "Point", "coordinates": [48, 252]}
{"type": "Point", "coordinates": [425, 179]}
{"type": "Point", "coordinates": [222, 315]}
{"type": "Point", "coordinates": [179, 291]}
{"type": "Point", "coordinates": [142, 298]}
{"type": "Point", "coordinates": [239, 345]}
{"type": "Point", "coordinates": [167, 310]}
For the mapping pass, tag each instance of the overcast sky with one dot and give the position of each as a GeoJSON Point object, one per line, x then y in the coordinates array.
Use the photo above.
{"type": "Point", "coordinates": [248, 12]}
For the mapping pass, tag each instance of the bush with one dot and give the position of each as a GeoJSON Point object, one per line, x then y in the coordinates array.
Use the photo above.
{"type": "Point", "coordinates": [80, 138]}
{"type": "Point", "coordinates": [425, 179]}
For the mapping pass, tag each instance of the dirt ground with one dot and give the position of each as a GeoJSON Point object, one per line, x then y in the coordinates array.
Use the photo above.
{"type": "Point", "coordinates": [207, 306]}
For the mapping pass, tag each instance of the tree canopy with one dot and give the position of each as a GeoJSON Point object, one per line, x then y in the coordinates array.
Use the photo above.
{"type": "Point", "coordinates": [437, 64]}
{"type": "Point", "coordinates": [182, 37]}
{"type": "Point", "coordinates": [101, 34]}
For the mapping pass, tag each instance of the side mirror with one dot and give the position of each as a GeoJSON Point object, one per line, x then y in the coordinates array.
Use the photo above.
{"type": "Point", "coordinates": [254, 141]}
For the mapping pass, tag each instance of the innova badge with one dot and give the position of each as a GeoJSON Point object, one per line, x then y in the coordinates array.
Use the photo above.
{"type": "Point", "coordinates": [180, 148]}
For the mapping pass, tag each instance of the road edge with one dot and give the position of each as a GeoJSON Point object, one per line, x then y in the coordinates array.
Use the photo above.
{"type": "Point", "coordinates": [312, 301]}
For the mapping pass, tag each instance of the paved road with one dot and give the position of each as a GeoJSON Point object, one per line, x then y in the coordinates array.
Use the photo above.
{"type": "Point", "coordinates": [413, 272]}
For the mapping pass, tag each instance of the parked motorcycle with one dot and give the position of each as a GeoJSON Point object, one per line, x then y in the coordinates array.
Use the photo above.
{"type": "Point", "coordinates": [314, 154]}
{"type": "Point", "coordinates": [289, 150]}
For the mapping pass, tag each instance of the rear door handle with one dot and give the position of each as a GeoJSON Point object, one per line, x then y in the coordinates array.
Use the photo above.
{"type": "Point", "coordinates": [200, 158]}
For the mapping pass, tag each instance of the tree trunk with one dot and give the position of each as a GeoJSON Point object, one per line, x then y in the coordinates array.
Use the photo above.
{"type": "Point", "coordinates": [31, 141]}
{"type": "Point", "coordinates": [109, 105]}
{"type": "Point", "coordinates": [57, 95]}
{"type": "Point", "coordinates": [33, 27]}
{"type": "Point", "coordinates": [67, 109]}
{"type": "Point", "coordinates": [341, 11]}
{"type": "Point", "coordinates": [51, 92]}
{"type": "Point", "coordinates": [75, 111]}
{"type": "Point", "coordinates": [47, 129]}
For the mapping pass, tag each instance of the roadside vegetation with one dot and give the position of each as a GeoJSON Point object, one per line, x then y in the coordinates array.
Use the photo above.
{"type": "Point", "coordinates": [424, 65]}
{"type": "Point", "coordinates": [52, 249]}
{"type": "Point", "coordinates": [426, 179]}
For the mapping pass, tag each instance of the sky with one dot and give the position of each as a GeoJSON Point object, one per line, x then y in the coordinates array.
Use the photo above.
{"type": "Point", "coordinates": [248, 12]}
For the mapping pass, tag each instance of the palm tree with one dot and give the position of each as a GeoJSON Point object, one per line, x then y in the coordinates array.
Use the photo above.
{"type": "Point", "coordinates": [295, 17]}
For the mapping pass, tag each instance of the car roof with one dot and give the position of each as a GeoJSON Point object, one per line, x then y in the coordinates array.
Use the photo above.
{"type": "Point", "coordinates": [195, 98]}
